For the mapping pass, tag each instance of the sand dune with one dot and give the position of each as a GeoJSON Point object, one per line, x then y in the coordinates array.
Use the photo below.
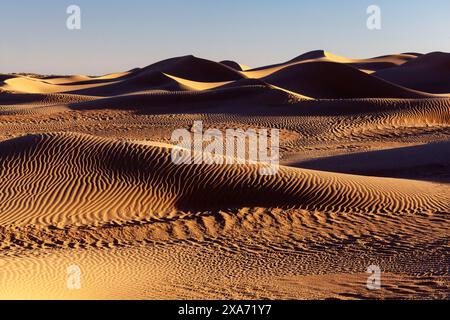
{"type": "Point", "coordinates": [378, 62]}
{"type": "Point", "coordinates": [32, 85]}
{"type": "Point", "coordinates": [65, 79]}
{"type": "Point", "coordinates": [156, 101]}
{"type": "Point", "coordinates": [428, 73]}
{"type": "Point", "coordinates": [48, 103]}
{"type": "Point", "coordinates": [138, 82]}
{"type": "Point", "coordinates": [366, 65]}
{"type": "Point", "coordinates": [235, 65]}
{"type": "Point", "coordinates": [123, 181]}
{"type": "Point", "coordinates": [86, 178]}
{"type": "Point", "coordinates": [331, 80]}
{"type": "Point", "coordinates": [405, 161]}
{"type": "Point", "coordinates": [315, 74]}
{"type": "Point", "coordinates": [175, 74]}
{"type": "Point", "coordinates": [193, 68]}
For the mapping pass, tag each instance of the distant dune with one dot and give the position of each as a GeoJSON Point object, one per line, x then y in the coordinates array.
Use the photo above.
{"type": "Point", "coordinates": [427, 73]}
{"type": "Point", "coordinates": [335, 80]}
{"type": "Point", "coordinates": [404, 161]}
{"type": "Point", "coordinates": [317, 74]}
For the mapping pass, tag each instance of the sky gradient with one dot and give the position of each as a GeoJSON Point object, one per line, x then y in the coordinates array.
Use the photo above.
{"type": "Point", "coordinates": [120, 35]}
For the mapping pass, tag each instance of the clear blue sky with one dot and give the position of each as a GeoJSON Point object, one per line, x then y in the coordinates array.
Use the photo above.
{"type": "Point", "coordinates": [119, 35]}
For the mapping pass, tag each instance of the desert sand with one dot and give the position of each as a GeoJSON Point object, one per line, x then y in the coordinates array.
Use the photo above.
{"type": "Point", "coordinates": [86, 179]}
